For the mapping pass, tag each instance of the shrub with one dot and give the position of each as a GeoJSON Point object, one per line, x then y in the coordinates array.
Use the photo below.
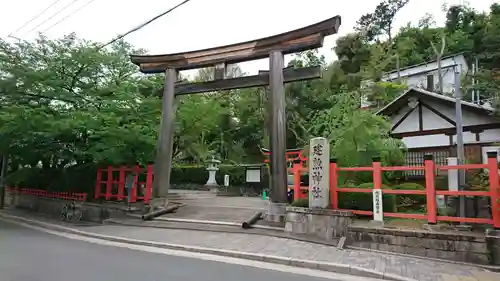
{"type": "Point", "coordinates": [364, 201]}
{"type": "Point", "coordinates": [301, 202]}
{"type": "Point", "coordinates": [410, 200]}
{"type": "Point", "coordinates": [199, 175]}
{"type": "Point", "coordinates": [370, 185]}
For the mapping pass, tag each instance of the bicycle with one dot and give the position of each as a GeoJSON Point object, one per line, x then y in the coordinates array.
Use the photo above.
{"type": "Point", "coordinates": [72, 212]}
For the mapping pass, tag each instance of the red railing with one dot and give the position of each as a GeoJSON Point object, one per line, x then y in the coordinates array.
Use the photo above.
{"type": "Point", "coordinates": [78, 196]}
{"type": "Point", "coordinates": [115, 182]}
{"type": "Point", "coordinates": [291, 156]}
{"type": "Point", "coordinates": [299, 190]}
{"type": "Point", "coordinates": [430, 191]}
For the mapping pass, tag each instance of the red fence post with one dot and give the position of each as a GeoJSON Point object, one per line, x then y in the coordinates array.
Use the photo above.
{"type": "Point", "coordinates": [377, 173]}
{"type": "Point", "coordinates": [121, 184]}
{"type": "Point", "coordinates": [135, 184]}
{"type": "Point", "coordinates": [297, 191]}
{"type": "Point", "coordinates": [97, 192]}
{"type": "Point", "coordinates": [430, 170]}
{"type": "Point", "coordinates": [149, 183]}
{"type": "Point", "coordinates": [334, 201]}
{"type": "Point", "coordinates": [109, 183]}
{"type": "Point", "coordinates": [494, 187]}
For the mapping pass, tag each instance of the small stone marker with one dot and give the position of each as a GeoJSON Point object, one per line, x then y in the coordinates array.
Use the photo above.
{"type": "Point", "coordinates": [452, 174]}
{"type": "Point", "coordinates": [378, 208]}
{"type": "Point", "coordinates": [441, 201]}
{"type": "Point", "coordinates": [319, 174]}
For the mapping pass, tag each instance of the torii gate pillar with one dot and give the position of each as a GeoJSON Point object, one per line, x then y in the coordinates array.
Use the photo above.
{"type": "Point", "coordinates": [277, 136]}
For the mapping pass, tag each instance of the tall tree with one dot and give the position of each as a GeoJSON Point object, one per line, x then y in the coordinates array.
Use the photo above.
{"type": "Point", "coordinates": [381, 20]}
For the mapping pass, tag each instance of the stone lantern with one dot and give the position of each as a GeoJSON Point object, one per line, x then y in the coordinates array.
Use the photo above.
{"type": "Point", "coordinates": [212, 168]}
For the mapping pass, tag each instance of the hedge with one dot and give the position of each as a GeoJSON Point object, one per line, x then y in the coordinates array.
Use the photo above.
{"type": "Point", "coordinates": [409, 201]}
{"type": "Point", "coordinates": [199, 175]}
{"type": "Point", "coordinates": [364, 201]}
{"type": "Point", "coordinates": [301, 202]}
{"type": "Point", "coordinates": [73, 179]}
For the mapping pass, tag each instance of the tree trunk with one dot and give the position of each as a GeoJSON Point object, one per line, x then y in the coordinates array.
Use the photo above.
{"type": "Point", "coordinates": [440, 75]}
{"type": "Point", "coordinates": [398, 68]}
{"type": "Point", "coordinates": [439, 55]}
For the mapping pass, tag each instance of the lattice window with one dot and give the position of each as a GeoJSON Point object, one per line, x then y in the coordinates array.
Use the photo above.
{"type": "Point", "coordinates": [416, 158]}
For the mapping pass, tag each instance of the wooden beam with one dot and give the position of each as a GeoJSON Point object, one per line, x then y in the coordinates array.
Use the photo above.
{"type": "Point", "coordinates": [447, 130]}
{"type": "Point", "coordinates": [290, 75]}
{"type": "Point", "coordinates": [439, 114]}
{"type": "Point", "coordinates": [302, 39]}
{"type": "Point", "coordinates": [402, 119]}
{"type": "Point", "coordinates": [220, 71]}
{"type": "Point", "coordinates": [420, 117]}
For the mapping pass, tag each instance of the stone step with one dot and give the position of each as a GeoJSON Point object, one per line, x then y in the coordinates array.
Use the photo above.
{"type": "Point", "coordinates": [218, 228]}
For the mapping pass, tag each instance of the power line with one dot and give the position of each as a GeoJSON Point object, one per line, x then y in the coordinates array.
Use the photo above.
{"type": "Point", "coordinates": [51, 17]}
{"type": "Point", "coordinates": [34, 18]}
{"type": "Point", "coordinates": [71, 14]}
{"type": "Point", "coordinates": [143, 25]}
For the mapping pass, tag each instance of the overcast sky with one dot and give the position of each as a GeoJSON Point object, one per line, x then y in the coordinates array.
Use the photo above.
{"type": "Point", "coordinates": [200, 23]}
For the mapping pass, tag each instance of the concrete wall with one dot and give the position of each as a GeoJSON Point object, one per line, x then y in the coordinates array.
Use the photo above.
{"type": "Point", "coordinates": [456, 246]}
{"type": "Point", "coordinates": [451, 245]}
{"type": "Point", "coordinates": [325, 224]}
{"type": "Point", "coordinates": [53, 207]}
{"type": "Point", "coordinates": [493, 242]}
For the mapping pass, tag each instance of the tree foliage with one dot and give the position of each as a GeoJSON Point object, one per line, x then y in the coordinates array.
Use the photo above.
{"type": "Point", "coordinates": [67, 104]}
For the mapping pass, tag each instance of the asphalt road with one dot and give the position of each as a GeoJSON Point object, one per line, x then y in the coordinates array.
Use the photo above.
{"type": "Point", "coordinates": [31, 255]}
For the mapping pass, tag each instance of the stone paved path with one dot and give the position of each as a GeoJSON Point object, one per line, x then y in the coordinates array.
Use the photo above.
{"type": "Point", "coordinates": [419, 269]}
{"type": "Point", "coordinates": [203, 205]}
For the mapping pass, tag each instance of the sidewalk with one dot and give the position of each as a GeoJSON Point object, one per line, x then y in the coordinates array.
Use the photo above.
{"type": "Point", "coordinates": [390, 265]}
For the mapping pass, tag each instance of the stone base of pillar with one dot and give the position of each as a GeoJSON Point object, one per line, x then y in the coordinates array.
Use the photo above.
{"type": "Point", "coordinates": [212, 188]}
{"type": "Point", "coordinates": [276, 212]}
{"type": "Point", "coordinates": [158, 203]}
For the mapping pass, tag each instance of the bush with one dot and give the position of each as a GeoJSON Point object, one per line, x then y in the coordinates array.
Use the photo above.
{"type": "Point", "coordinates": [410, 200]}
{"type": "Point", "coordinates": [364, 201]}
{"type": "Point", "coordinates": [370, 185]}
{"type": "Point", "coordinates": [199, 175]}
{"type": "Point", "coordinates": [72, 179]}
{"type": "Point", "coordinates": [301, 202]}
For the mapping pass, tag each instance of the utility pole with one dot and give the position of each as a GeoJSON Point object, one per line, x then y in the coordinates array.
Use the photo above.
{"type": "Point", "coordinates": [3, 174]}
{"type": "Point", "coordinates": [460, 140]}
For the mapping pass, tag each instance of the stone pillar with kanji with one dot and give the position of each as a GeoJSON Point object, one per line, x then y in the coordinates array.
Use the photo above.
{"type": "Point", "coordinates": [319, 155]}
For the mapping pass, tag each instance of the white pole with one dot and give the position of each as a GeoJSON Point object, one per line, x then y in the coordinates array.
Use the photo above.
{"type": "Point", "coordinates": [460, 139]}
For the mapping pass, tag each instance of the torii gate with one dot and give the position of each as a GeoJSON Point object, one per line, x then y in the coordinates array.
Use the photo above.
{"type": "Point", "coordinates": [274, 47]}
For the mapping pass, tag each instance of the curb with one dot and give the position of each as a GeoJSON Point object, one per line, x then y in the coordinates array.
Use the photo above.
{"type": "Point", "coordinates": [235, 230]}
{"type": "Point", "coordinates": [331, 267]}
{"type": "Point", "coordinates": [224, 223]}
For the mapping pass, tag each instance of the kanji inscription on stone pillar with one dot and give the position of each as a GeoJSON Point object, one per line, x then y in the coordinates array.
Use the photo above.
{"type": "Point", "coordinates": [378, 213]}
{"type": "Point", "coordinates": [319, 176]}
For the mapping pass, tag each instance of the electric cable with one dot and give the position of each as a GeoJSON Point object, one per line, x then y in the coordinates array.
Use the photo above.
{"type": "Point", "coordinates": [34, 18]}
{"type": "Point", "coordinates": [143, 24]}
{"type": "Point", "coordinates": [70, 15]}
{"type": "Point", "coordinates": [51, 17]}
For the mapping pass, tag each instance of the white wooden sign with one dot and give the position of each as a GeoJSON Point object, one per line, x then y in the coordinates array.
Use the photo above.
{"type": "Point", "coordinates": [226, 180]}
{"type": "Point", "coordinates": [253, 175]}
{"type": "Point", "coordinates": [378, 208]}
{"type": "Point", "coordinates": [319, 176]}
{"type": "Point", "coordinates": [452, 174]}
{"type": "Point", "coordinates": [441, 201]}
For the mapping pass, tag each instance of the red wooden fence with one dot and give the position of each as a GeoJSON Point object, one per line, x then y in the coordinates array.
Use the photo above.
{"type": "Point", "coordinates": [430, 191]}
{"type": "Point", "coordinates": [115, 181]}
{"type": "Point", "coordinates": [79, 196]}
